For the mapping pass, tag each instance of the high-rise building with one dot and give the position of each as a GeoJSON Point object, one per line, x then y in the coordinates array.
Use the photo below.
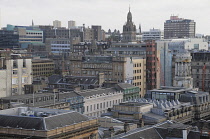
{"type": "Point", "coordinates": [71, 24]}
{"type": "Point", "coordinates": [129, 29]}
{"type": "Point", "coordinates": [153, 65]}
{"type": "Point", "coordinates": [57, 24]}
{"type": "Point", "coordinates": [179, 28]}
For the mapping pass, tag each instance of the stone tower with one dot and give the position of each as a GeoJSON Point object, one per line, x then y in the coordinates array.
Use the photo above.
{"type": "Point", "coordinates": [183, 70]}
{"type": "Point", "coordinates": [129, 29]}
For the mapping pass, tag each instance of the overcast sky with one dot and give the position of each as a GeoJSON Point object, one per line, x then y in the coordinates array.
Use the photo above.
{"type": "Point", "coordinates": [107, 13]}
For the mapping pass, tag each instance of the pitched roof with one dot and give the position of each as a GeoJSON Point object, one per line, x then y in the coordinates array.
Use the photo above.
{"type": "Point", "coordinates": [147, 132]}
{"type": "Point", "coordinates": [54, 79]}
{"type": "Point", "coordinates": [22, 122]}
{"type": "Point", "coordinates": [53, 122]}
{"type": "Point", "coordinates": [42, 123]}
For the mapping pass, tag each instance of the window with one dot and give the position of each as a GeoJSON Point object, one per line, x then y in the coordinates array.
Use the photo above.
{"type": "Point", "coordinates": [14, 71]}
{"type": "Point", "coordinates": [24, 63]}
{"type": "Point", "coordinates": [15, 64]}
{"type": "Point", "coordinates": [196, 46]}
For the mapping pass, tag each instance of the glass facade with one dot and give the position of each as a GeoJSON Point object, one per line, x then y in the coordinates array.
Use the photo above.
{"type": "Point", "coordinates": [165, 96]}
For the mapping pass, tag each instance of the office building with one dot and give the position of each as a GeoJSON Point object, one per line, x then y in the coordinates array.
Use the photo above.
{"type": "Point", "coordinates": [177, 27]}
{"type": "Point", "coordinates": [152, 65]}
{"type": "Point", "coordinates": [71, 24]}
{"type": "Point", "coordinates": [9, 39]}
{"type": "Point", "coordinates": [42, 67]}
{"type": "Point", "coordinates": [166, 78]}
{"type": "Point", "coordinates": [56, 24]}
{"type": "Point", "coordinates": [178, 45]}
{"type": "Point", "coordinates": [58, 46]}
{"type": "Point", "coordinates": [27, 35]}
{"type": "Point", "coordinates": [152, 34]}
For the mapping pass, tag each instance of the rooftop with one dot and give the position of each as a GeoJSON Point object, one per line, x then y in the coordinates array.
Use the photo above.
{"type": "Point", "coordinates": [39, 118]}
{"type": "Point", "coordinates": [125, 85]}
{"type": "Point", "coordinates": [97, 91]}
{"type": "Point", "coordinates": [171, 89]}
{"type": "Point", "coordinates": [134, 104]}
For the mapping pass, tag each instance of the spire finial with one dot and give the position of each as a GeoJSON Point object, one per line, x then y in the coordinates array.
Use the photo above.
{"type": "Point", "coordinates": [129, 7]}
{"type": "Point", "coordinates": [140, 28]}
{"type": "Point", "coordinates": [32, 23]}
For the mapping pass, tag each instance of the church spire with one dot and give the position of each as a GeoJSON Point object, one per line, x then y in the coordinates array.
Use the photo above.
{"type": "Point", "coordinates": [129, 16]}
{"type": "Point", "coordinates": [129, 7]}
{"type": "Point", "coordinates": [32, 23]}
{"type": "Point", "coordinates": [140, 28]}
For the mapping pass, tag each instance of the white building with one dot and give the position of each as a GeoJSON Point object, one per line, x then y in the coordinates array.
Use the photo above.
{"type": "Point", "coordinates": [97, 101]}
{"type": "Point", "coordinates": [14, 74]}
{"type": "Point", "coordinates": [71, 24]}
{"type": "Point", "coordinates": [153, 34]}
{"type": "Point", "coordinates": [56, 24]}
{"type": "Point", "coordinates": [178, 45]}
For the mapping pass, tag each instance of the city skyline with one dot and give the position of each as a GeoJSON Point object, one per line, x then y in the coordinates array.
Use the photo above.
{"type": "Point", "coordinates": [109, 14]}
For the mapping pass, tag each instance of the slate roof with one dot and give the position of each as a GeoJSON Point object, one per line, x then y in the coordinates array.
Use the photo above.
{"type": "Point", "coordinates": [22, 122]}
{"type": "Point", "coordinates": [42, 123]}
{"type": "Point", "coordinates": [82, 79]}
{"type": "Point", "coordinates": [91, 92]}
{"type": "Point", "coordinates": [147, 132]}
{"type": "Point", "coordinates": [159, 131]}
{"type": "Point", "coordinates": [54, 79]}
{"type": "Point", "coordinates": [62, 120]}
